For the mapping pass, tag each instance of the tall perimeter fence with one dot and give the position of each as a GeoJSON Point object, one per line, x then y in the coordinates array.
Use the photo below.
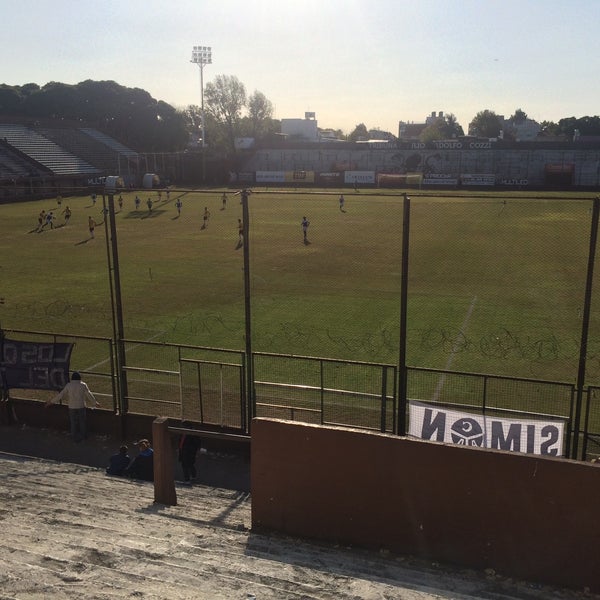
{"type": "Point", "coordinates": [208, 387]}
{"type": "Point", "coordinates": [225, 389]}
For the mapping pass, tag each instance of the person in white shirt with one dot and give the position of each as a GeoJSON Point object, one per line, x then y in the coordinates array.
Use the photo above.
{"type": "Point", "coordinates": [78, 395]}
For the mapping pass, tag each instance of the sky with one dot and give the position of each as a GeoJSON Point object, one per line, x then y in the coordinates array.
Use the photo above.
{"type": "Point", "coordinates": [375, 62]}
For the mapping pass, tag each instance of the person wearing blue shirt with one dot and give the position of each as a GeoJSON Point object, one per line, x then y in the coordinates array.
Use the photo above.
{"type": "Point", "coordinates": [142, 466]}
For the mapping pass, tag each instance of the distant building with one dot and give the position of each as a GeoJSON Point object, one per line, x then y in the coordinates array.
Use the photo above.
{"type": "Point", "coordinates": [301, 129]}
{"type": "Point", "coordinates": [521, 131]}
{"type": "Point", "coordinates": [414, 130]}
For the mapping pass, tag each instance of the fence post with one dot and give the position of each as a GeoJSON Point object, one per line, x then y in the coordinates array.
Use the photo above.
{"type": "Point", "coordinates": [585, 325]}
{"type": "Point", "coordinates": [164, 475]}
{"type": "Point", "coordinates": [383, 398]}
{"type": "Point", "coordinates": [402, 368]}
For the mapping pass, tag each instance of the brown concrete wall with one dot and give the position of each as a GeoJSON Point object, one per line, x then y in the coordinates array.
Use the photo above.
{"type": "Point", "coordinates": [531, 517]}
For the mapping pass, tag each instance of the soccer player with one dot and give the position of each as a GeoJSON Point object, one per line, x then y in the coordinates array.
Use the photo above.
{"type": "Point", "coordinates": [120, 202]}
{"type": "Point", "coordinates": [137, 202]}
{"type": "Point", "coordinates": [305, 224]}
{"type": "Point", "coordinates": [224, 200]}
{"type": "Point", "coordinates": [67, 213]}
{"type": "Point", "coordinates": [178, 205]}
{"type": "Point", "coordinates": [41, 220]}
{"type": "Point", "coordinates": [149, 204]}
{"type": "Point", "coordinates": [240, 231]}
{"type": "Point", "coordinates": [49, 220]}
{"type": "Point", "coordinates": [94, 199]}
{"type": "Point", "coordinates": [205, 217]}
{"type": "Point", "coordinates": [342, 202]}
{"type": "Point", "coordinates": [91, 226]}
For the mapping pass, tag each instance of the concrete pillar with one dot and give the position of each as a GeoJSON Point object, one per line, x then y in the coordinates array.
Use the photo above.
{"type": "Point", "coordinates": [164, 476]}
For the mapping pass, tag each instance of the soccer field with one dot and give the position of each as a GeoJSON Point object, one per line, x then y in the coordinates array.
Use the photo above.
{"type": "Point", "coordinates": [496, 282]}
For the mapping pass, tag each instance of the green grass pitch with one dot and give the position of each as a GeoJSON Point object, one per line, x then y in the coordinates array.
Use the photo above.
{"type": "Point", "coordinates": [496, 281]}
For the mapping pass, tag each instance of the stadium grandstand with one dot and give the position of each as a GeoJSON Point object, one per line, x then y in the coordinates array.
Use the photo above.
{"type": "Point", "coordinates": [39, 158]}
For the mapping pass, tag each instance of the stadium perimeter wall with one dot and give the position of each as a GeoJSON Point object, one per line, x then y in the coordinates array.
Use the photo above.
{"type": "Point", "coordinates": [524, 516]}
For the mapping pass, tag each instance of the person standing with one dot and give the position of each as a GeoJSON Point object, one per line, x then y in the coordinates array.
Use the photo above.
{"type": "Point", "coordinates": [49, 220]}
{"type": "Point", "coordinates": [41, 220]}
{"type": "Point", "coordinates": [91, 226]}
{"type": "Point", "coordinates": [305, 224]}
{"type": "Point", "coordinates": [149, 205]}
{"type": "Point", "coordinates": [188, 448]}
{"type": "Point", "coordinates": [342, 202]}
{"type": "Point", "coordinates": [205, 217]}
{"type": "Point", "coordinates": [137, 202]}
{"type": "Point", "coordinates": [178, 206]}
{"type": "Point", "coordinates": [67, 213]}
{"type": "Point", "coordinates": [224, 201]}
{"type": "Point", "coordinates": [120, 201]}
{"type": "Point", "coordinates": [78, 395]}
{"type": "Point", "coordinates": [240, 231]}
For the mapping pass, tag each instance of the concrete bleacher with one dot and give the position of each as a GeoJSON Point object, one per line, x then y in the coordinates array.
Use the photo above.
{"type": "Point", "coordinates": [44, 151]}
{"type": "Point", "coordinates": [80, 144]}
{"type": "Point", "coordinates": [110, 142]}
{"type": "Point", "coordinates": [70, 531]}
{"type": "Point", "coordinates": [13, 166]}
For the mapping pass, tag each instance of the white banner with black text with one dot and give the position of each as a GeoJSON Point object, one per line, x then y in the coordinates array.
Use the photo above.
{"type": "Point", "coordinates": [530, 436]}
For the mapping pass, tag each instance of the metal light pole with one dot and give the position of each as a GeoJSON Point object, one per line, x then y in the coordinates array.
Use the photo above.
{"type": "Point", "coordinates": [202, 55]}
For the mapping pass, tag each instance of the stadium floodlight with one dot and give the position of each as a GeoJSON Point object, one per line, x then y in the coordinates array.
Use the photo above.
{"type": "Point", "coordinates": [201, 56]}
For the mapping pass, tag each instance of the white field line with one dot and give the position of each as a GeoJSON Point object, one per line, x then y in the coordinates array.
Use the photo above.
{"type": "Point", "coordinates": [454, 351]}
{"type": "Point", "coordinates": [103, 362]}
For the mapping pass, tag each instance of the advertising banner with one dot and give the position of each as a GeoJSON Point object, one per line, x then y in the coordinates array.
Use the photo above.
{"type": "Point", "coordinates": [359, 177]}
{"type": "Point", "coordinates": [530, 436]}
{"type": "Point", "coordinates": [329, 178]}
{"type": "Point", "coordinates": [34, 365]}
{"type": "Point", "coordinates": [270, 176]}
{"type": "Point", "coordinates": [478, 179]}
{"type": "Point", "coordinates": [300, 176]}
{"type": "Point", "coordinates": [439, 179]}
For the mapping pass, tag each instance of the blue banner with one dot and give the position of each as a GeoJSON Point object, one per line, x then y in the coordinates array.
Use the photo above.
{"type": "Point", "coordinates": [34, 365]}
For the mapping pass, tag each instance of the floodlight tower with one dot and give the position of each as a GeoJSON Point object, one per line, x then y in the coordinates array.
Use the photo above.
{"type": "Point", "coordinates": [202, 55]}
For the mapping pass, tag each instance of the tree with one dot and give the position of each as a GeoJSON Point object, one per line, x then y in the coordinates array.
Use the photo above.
{"type": "Point", "coordinates": [360, 133]}
{"type": "Point", "coordinates": [260, 112]}
{"type": "Point", "coordinates": [453, 129]}
{"type": "Point", "coordinates": [549, 128]}
{"type": "Point", "coordinates": [443, 128]}
{"type": "Point", "coordinates": [519, 117]}
{"type": "Point", "coordinates": [486, 123]}
{"type": "Point", "coordinates": [225, 98]}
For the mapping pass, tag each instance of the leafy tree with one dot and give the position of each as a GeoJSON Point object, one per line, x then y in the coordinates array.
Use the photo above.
{"type": "Point", "coordinates": [260, 112]}
{"type": "Point", "coordinates": [453, 129]}
{"type": "Point", "coordinates": [519, 117]}
{"type": "Point", "coordinates": [486, 123]}
{"type": "Point", "coordinates": [549, 128]}
{"type": "Point", "coordinates": [10, 100]}
{"type": "Point", "coordinates": [225, 98]}
{"type": "Point", "coordinates": [443, 128]}
{"type": "Point", "coordinates": [360, 133]}
{"type": "Point", "coordinates": [585, 125]}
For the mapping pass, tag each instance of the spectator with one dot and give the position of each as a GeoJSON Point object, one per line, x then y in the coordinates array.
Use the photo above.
{"type": "Point", "coordinates": [188, 448]}
{"type": "Point", "coordinates": [77, 393]}
{"type": "Point", "coordinates": [118, 462]}
{"type": "Point", "coordinates": [142, 466]}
